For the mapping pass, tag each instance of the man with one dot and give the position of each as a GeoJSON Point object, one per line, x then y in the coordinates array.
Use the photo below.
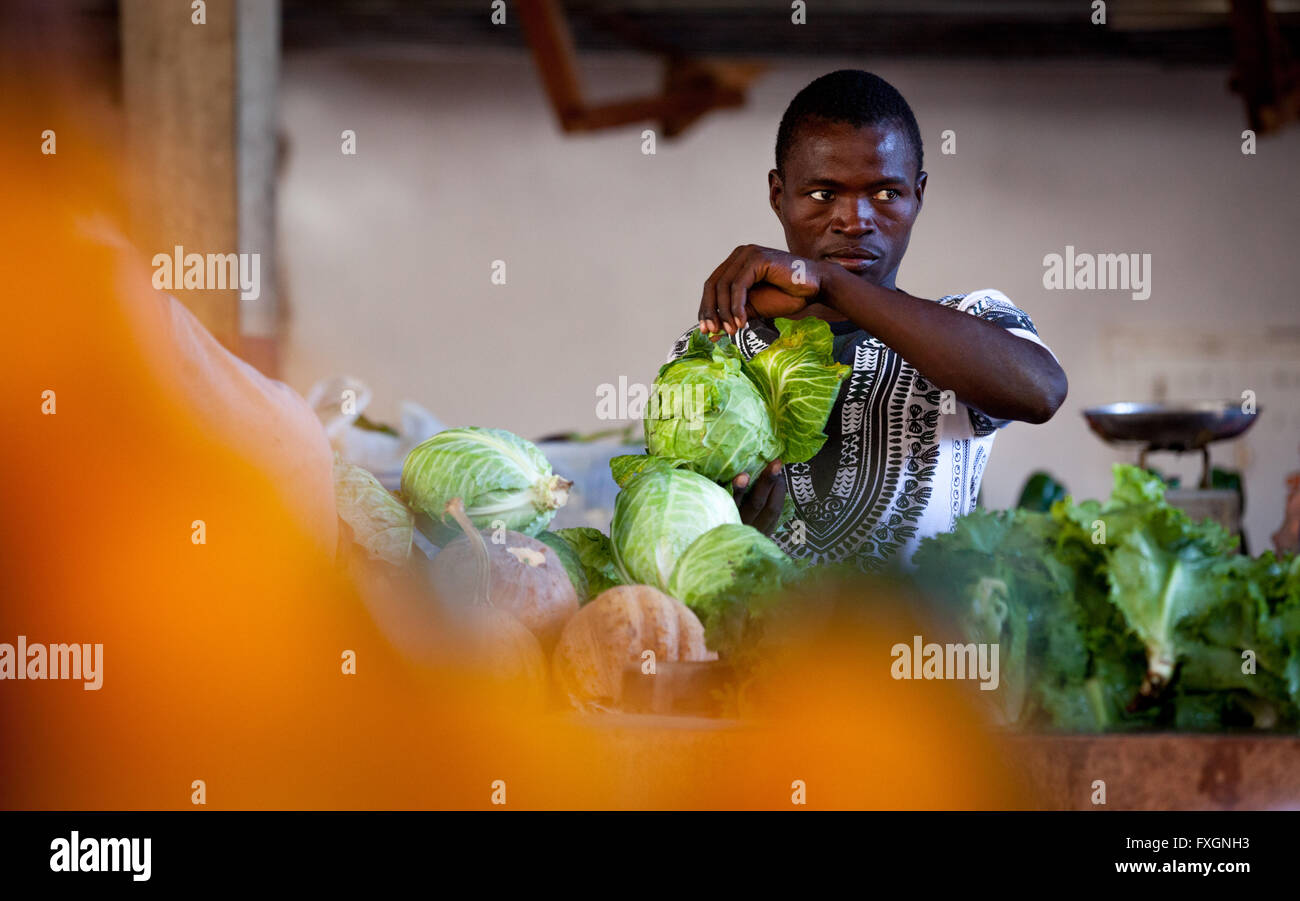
{"type": "Point", "coordinates": [932, 380]}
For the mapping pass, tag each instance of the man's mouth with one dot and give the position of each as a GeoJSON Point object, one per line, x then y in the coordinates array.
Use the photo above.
{"type": "Point", "coordinates": [853, 260]}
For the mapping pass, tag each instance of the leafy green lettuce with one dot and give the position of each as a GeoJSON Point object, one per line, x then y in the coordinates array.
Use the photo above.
{"type": "Point", "coordinates": [1132, 614]}
{"type": "Point", "coordinates": [1160, 565]}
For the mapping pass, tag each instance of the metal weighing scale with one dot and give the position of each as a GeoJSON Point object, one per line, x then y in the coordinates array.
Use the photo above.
{"type": "Point", "coordinates": [1180, 428]}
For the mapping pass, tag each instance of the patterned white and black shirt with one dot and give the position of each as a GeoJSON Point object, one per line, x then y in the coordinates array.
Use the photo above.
{"type": "Point", "coordinates": [894, 469]}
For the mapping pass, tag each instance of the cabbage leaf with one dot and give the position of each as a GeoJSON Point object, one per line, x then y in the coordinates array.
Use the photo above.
{"type": "Point", "coordinates": [800, 380]}
{"type": "Point", "coordinates": [596, 555]}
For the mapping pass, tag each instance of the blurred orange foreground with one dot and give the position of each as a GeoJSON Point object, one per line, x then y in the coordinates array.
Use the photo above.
{"type": "Point", "coordinates": [222, 660]}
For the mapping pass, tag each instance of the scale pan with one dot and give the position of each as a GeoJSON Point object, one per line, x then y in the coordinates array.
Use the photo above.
{"type": "Point", "coordinates": [1176, 426]}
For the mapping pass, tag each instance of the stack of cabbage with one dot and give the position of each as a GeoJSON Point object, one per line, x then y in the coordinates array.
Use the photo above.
{"type": "Point", "coordinates": [675, 530]}
{"type": "Point", "coordinates": [718, 414]}
{"type": "Point", "coordinates": [713, 415]}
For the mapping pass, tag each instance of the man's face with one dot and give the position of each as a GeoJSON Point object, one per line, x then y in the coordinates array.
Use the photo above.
{"type": "Point", "coordinates": [850, 196]}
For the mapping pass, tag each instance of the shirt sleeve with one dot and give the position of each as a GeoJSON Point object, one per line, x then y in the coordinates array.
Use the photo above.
{"type": "Point", "coordinates": [995, 307]}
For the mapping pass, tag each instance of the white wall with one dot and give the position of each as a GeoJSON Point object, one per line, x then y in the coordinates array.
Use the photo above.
{"type": "Point", "coordinates": [460, 163]}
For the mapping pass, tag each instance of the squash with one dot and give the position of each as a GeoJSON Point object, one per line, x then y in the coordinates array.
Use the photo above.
{"type": "Point", "coordinates": [486, 640]}
{"type": "Point", "coordinates": [495, 644]}
{"type": "Point", "coordinates": [522, 576]}
{"type": "Point", "coordinates": [615, 630]}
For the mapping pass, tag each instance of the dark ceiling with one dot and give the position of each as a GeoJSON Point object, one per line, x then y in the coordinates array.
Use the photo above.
{"type": "Point", "coordinates": [1175, 31]}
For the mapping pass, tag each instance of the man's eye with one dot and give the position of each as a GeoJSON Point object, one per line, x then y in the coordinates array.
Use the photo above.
{"type": "Point", "coordinates": [887, 194]}
{"type": "Point", "coordinates": [813, 194]}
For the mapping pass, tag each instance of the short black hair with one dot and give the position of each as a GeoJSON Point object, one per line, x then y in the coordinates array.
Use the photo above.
{"type": "Point", "coordinates": [850, 96]}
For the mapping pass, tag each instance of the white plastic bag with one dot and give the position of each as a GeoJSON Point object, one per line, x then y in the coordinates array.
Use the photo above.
{"type": "Point", "coordinates": [341, 400]}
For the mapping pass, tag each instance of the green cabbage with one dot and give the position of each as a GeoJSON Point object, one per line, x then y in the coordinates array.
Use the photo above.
{"type": "Point", "coordinates": [500, 477]}
{"type": "Point", "coordinates": [707, 414]}
{"type": "Point", "coordinates": [720, 415]}
{"type": "Point", "coordinates": [729, 576]}
{"type": "Point", "coordinates": [657, 515]}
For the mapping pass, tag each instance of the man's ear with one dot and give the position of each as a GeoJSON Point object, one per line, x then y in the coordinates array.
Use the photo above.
{"type": "Point", "coordinates": [920, 189]}
{"type": "Point", "coordinates": [775, 188]}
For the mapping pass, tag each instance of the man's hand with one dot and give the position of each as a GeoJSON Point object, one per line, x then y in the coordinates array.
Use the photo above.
{"type": "Point", "coordinates": [761, 506]}
{"type": "Point", "coordinates": [723, 302]}
{"type": "Point", "coordinates": [770, 302]}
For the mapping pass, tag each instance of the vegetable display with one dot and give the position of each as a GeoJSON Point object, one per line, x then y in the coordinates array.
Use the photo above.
{"type": "Point", "coordinates": [1116, 615]}
{"type": "Point", "coordinates": [1123, 614]}
{"type": "Point", "coordinates": [500, 477]}
{"type": "Point", "coordinates": [676, 551]}
{"type": "Point", "coordinates": [718, 414]}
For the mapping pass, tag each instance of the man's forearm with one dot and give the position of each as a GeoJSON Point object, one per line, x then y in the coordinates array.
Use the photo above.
{"type": "Point", "coordinates": [986, 367]}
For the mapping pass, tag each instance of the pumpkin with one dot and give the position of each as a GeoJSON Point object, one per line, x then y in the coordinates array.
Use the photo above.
{"type": "Point", "coordinates": [495, 644]}
{"type": "Point", "coordinates": [615, 630]}
{"type": "Point", "coordinates": [521, 575]}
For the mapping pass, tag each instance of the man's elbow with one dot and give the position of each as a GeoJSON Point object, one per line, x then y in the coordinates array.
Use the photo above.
{"type": "Point", "coordinates": [1048, 398]}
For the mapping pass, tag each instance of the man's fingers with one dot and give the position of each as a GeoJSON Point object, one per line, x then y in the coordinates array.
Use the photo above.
{"type": "Point", "coordinates": [739, 293]}
{"type": "Point", "coordinates": [734, 270]}
{"type": "Point", "coordinates": [766, 521]}
{"type": "Point", "coordinates": [770, 516]}
{"type": "Point", "coordinates": [738, 487]}
{"type": "Point", "coordinates": [767, 499]}
{"type": "Point", "coordinates": [762, 505]}
{"type": "Point", "coordinates": [761, 492]}
{"type": "Point", "coordinates": [709, 299]}
{"type": "Point", "coordinates": [722, 302]}
{"type": "Point", "coordinates": [713, 290]}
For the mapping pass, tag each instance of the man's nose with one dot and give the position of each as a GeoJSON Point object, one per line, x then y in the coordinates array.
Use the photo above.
{"type": "Point", "coordinates": [859, 218]}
